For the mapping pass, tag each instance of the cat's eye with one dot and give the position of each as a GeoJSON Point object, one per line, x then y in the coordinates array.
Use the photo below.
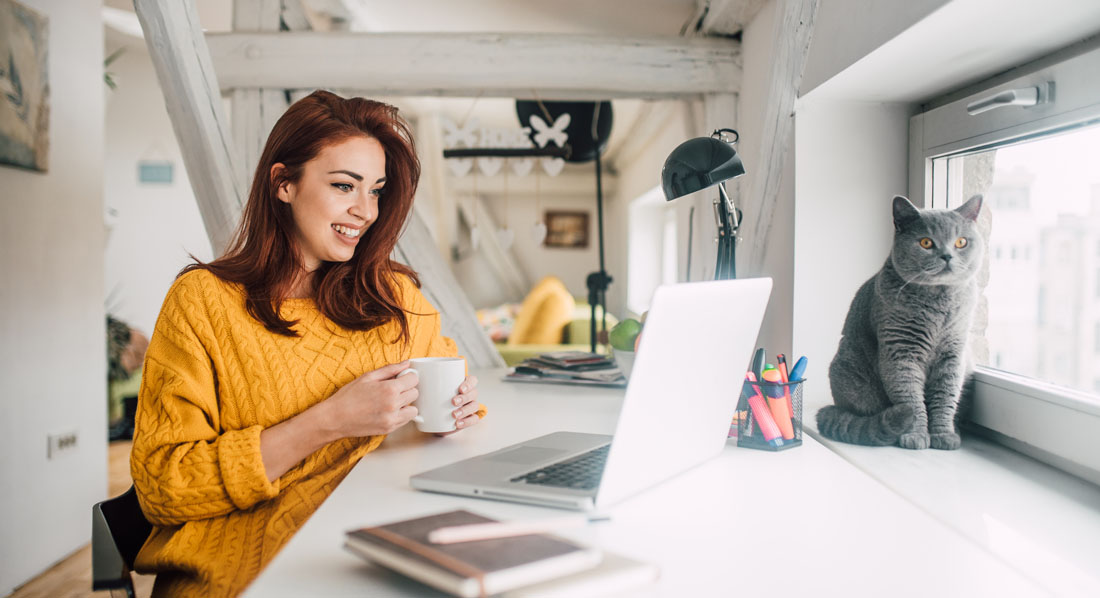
{"type": "Point", "coordinates": [926, 243]}
{"type": "Point", "coordinates": [961, 242]}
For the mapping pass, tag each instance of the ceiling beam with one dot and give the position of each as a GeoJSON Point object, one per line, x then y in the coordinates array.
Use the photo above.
{"type": "Point", "coordinates": [530, 66]}
{"type": "Point", "coordinates": [191, 96]}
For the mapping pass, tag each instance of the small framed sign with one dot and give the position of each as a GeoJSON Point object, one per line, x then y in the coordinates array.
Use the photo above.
{"type": "Point", "coordinates": [155, 172]}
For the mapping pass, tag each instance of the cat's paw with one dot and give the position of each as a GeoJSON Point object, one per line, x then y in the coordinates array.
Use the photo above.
{"type": "Point", "coordinates": [899, 418]}
{"type": "Point", "coordinates": [947, 441]}
{"type": "Point", "coordinates": [914, 440]}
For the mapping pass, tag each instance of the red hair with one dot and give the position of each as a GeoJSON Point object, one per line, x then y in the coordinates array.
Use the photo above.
{"type": "Point", "coordinates": [361, 293]}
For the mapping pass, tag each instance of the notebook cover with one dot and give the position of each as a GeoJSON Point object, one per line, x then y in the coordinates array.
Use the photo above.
{"type": "Point", "coordinates": [487, 556]}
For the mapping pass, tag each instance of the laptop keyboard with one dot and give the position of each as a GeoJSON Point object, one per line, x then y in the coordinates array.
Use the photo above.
{"type": "Point", "coordinates": [582, 472]}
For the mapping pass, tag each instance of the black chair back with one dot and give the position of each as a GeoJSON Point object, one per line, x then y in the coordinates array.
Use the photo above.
{"type": "Point", "coordinates": [119, 529]}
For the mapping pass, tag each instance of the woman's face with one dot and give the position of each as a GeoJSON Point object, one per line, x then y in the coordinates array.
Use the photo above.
{"type": "Point", "coordinates": [336, 199]}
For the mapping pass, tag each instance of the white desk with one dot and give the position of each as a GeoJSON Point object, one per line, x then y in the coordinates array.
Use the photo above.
{"type": "Point", "coordinates": [747, 523]}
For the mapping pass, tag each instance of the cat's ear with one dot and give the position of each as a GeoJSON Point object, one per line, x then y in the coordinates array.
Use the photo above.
{"type": "Point", "coordinates": [971, 208]}
{"type": "Point", "coordinates": [904, 211]}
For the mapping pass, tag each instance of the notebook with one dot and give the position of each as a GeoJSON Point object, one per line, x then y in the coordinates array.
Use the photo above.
{"type": "Point", "coordinates": [695, 349]}
{"type": "Point", "coordinates": [469, 569]}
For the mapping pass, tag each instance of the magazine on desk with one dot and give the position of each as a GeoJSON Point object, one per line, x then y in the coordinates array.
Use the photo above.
{"type": "Point", "coordinates": [569, 367]}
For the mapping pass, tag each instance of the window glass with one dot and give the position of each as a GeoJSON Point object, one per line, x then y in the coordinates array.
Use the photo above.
{"type": "Point", "coordinates": [1041, 314]}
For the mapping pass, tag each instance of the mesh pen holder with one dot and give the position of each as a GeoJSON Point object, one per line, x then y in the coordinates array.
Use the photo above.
{"type": "Point", "coordinates": [759, 419]}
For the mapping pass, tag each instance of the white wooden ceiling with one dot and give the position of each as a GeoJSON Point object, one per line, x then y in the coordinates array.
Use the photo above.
{"type": "Point", "coordinates": [611, 17]}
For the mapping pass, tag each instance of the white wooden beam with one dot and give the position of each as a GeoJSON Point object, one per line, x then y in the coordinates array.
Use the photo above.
{"type": "Point", "coordinates": [489, 64]}
{"type": "Point", "coordinates": [433, 194]}
{"type": "Point", "coordinates": [440, 287]}
{"type": "Point", "coordinates": [254, 111]}
{"type": "Point", "coordinates": [790, 46]}
{"type": "Point", "coordinates": [193, 99]}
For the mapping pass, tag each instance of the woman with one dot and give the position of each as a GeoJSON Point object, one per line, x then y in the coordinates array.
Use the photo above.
{"type": "Point", "coordinates": [273, 369]}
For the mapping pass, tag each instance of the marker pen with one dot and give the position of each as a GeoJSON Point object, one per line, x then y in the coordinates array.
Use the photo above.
{"type": "Point", "coordinates": [799, 369]}
{"type": "Point", "coordinates": [764, 419]}
{"type": "Point", "coordinates": [778, 404]}
{"type": "Point", "coordinates": [781, 360]}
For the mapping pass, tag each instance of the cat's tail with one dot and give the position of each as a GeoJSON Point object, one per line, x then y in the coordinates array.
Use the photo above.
{"type": "Point", "coordinates": [881, 429]}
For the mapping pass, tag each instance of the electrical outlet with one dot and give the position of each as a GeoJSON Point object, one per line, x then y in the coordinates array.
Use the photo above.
{"type": "Point", "coordinates": [61, 443]}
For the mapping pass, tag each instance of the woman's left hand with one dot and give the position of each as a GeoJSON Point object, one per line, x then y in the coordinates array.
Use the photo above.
{"type": "Point", "coordinates": [466, 406]}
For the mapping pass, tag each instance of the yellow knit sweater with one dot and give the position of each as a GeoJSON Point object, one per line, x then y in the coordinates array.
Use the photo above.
{"type": "Point", "coordinates": [214, 378]}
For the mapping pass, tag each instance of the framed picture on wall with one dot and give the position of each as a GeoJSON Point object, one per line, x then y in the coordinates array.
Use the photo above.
{"type": "Point", "coordinates": [566, 229]}
{"type": "Point", "coordinates": [24, 81]}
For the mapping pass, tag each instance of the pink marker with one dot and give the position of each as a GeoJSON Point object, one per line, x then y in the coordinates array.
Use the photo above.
{"type": "Point", "coordinates": [763, 416]}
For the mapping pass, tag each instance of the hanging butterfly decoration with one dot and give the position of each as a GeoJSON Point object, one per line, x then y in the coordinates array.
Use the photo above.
{"type": "Point", "coordinates": [455, 136]}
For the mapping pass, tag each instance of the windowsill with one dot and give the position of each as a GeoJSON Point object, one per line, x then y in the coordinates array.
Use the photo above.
{"type": "Point", "coordinates": [1043, 522]}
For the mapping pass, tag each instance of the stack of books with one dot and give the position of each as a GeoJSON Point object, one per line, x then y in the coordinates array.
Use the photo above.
{"type": "Point", "coordinates": [521, 566]}
{"type": "Point", "coordinates": [569, 367]}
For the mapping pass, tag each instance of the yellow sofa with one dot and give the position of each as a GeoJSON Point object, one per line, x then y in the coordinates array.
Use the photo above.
{"type": "Point", "coordinates": [550, 319]}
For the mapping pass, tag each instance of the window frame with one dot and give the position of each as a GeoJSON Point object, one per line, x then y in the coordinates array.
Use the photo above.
{"type": "Point", "coordinates": [1054, 424]}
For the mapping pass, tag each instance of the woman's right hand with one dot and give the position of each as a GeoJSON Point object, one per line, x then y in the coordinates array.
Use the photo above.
{"type": "Point", "coordinates": [377, 402]}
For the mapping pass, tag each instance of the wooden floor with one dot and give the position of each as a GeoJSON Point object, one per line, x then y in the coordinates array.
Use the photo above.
{"type": "Point", "coordinates": [72, 577]}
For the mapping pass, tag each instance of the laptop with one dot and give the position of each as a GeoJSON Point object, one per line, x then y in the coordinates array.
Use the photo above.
{"type": "Point", "coordinates": [696, 346]}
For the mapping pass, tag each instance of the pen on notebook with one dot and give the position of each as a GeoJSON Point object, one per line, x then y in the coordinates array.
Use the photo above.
{"type": "Point", "coordinates": [505, 529]}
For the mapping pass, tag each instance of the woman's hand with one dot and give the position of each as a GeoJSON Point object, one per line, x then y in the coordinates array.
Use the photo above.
{"type": "Point", "coordinates": [466, 406]}
{"type": "Point", "coordinates": [375, 403]}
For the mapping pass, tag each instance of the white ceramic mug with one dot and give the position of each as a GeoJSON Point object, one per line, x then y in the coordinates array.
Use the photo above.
{"type": "Point", "coordinates": [439, 379]}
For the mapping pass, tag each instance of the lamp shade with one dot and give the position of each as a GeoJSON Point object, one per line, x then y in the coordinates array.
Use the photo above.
{"type": "Point", "coordinates": [697, 164]}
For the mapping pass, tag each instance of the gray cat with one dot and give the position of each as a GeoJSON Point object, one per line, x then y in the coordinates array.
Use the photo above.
{"type": "Point", "coordinates": [899, 372]}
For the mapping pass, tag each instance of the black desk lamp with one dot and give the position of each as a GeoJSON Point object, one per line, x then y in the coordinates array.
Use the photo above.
{"type": "Point", "coordinates": [704, 162]}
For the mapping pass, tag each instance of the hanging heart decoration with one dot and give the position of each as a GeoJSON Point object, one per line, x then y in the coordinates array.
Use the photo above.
{"type": "Point", "coordinates": [552, 166]}
{"type": "Point", "coordinates": [489, 166]}
{"type": "Point", "coordinates": [522, 167]}
{"type": "Point", "coordinates": [460, 166]}
{"type": "Point", "coordinates": [539, 232]}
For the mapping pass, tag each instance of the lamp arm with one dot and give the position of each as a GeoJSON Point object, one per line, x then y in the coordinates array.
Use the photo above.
{"type": "Point", "coordinates": [729, 221]}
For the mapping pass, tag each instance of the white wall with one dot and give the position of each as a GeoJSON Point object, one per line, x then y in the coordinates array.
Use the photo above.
{"type": "Point", "coordinates": [156, 225]}
{"type": "Point", "coordinates": [852, 29]}
{"type": "Point", "coordinates": [571, 265]}
{"type": "Point", "coordinates": [850, 161]}
{"type": "Point", "coordinates": [52, 331]}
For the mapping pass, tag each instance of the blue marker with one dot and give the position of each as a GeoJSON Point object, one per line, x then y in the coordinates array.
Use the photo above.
{"type": "Point", "coordinates": [798, 369]}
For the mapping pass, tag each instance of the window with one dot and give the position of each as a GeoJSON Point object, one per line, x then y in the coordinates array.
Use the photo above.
{"type": "Point", "coordinates": [652, 243]}
{"type": "Point", "coordinates": [1035, 165]}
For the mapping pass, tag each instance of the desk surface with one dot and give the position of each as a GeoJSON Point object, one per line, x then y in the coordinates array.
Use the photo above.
{"type": "Point", "coordinates": [745, 523]}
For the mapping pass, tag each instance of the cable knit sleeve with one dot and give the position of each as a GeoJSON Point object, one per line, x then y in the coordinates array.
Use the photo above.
{"type": "Point", "coordinates": [184, 466]}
